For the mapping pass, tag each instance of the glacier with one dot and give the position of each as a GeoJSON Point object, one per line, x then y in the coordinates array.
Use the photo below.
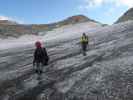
{"type": "Point", "coordinates": [106, 73]}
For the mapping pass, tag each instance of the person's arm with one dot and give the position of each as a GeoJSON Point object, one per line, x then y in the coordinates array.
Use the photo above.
{"type": "Point", "coordinates": [81, 40]}
{"type": "Point", "coordinates": [46, 55]}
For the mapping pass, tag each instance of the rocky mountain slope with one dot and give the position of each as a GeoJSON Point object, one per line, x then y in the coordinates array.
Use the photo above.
{"type": "Point", "coordinates": [63, 32]}
{"type": "Point", "coordinates": [106, 73]}
{"type": "Point", "coordinates": [126, 16]}
{"type": "Point", "coordinates": [16, 30]}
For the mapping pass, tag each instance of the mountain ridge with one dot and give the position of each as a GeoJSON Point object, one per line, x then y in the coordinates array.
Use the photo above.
{"type": "Point", "coordinates": [128, 15]}
{"type": "Point", "coordinates": [16, 30]}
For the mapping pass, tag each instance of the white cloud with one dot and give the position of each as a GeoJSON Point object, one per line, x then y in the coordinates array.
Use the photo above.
{"type": "Point", "coordinates": [128, 3]}
{"type": "Point", "coordinates": [97, 3]}
{"type": "Point", "coordinates": [5, 18]}
{"type": "Point", "coordinates": [111, 9]}
{"type": "Point", "coordinates": [15, 19]}
{"type": "Point", "coordinates": [92, 3]}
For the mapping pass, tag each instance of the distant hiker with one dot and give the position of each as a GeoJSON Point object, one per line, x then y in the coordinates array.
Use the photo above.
{"type": "Point", "coordinates": [40, 58]}
{"type": "Point", "coordinates": [84, 43]}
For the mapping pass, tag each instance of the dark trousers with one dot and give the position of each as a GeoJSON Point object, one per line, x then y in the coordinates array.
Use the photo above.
{"type": "Point", "coordinates": [39, 68]}
{"type": "Point", "coordinates": [84, 48]}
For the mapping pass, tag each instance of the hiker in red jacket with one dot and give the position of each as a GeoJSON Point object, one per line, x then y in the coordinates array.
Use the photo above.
{"type": "Point", "coordinates": [41, 57]}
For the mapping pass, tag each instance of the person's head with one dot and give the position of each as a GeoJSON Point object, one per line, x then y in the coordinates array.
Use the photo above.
{"type": "Point", "coordinates": [38, 44]}
{"type": "Point", "coordinates": [84, 34]}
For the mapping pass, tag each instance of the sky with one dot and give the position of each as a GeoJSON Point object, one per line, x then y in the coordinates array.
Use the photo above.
{"type": "Point", "coordinates": [48, 11]}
